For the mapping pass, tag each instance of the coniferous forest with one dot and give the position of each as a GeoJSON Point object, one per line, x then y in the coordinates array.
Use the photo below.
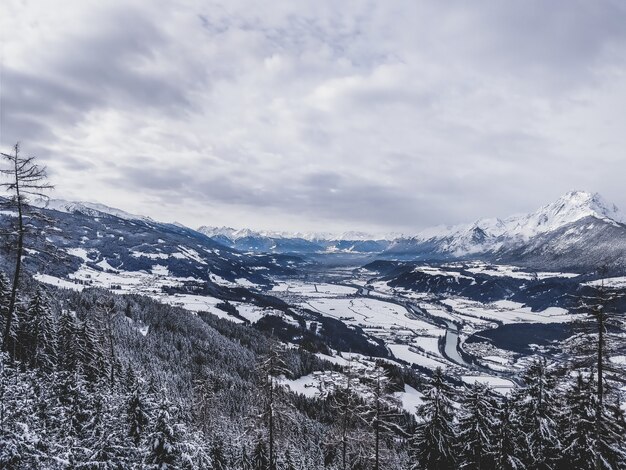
{"type": "Point", "coordinates": [82, 387]}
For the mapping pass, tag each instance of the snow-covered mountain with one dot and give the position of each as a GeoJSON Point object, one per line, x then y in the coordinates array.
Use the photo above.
{"type": "Point", "coordinates": [93, 209]}
{"type": "Point", "coordinates": [579, 227]}
{"type": "Point", "coordinates": [298, 242]}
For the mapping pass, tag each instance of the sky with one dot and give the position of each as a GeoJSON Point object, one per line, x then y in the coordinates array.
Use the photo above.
{"type": "Point", "coordinates": [386, 116]}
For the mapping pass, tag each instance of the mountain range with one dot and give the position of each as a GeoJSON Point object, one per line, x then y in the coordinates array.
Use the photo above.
{"type": "Point", "coordinates": [577, 232]}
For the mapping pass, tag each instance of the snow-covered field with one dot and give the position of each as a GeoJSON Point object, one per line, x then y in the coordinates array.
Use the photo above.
{"type": "Point", "coordinates": [507, 311]}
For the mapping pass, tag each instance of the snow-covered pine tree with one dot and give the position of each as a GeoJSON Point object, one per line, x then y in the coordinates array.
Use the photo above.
{"type": "Point", "coordinates": [260, 455]}
{"type": "Point", "coordinates": [347, 408]}
{"type": "Point", "coordinates": [381, 411]}
{"type": "Point", "coordinates": [537, 407]}
{"type": "Point", "coordinates": [476, 428]}
{"type": "Point", "coordinates": [577, 425]}
{"type": "Point", "coordinates": [137, 416]}
{"type": "Point", "coordinates": [598, 337]}
{"type": "Point", "coordinates": [507, 435]}
{"type": "Point", "coordinates": [68, 342]}
{"type": "Point", "coordinates": [38, 333]}
{"type": "Point", "coordinates": [434, 439]}
{"type": "Point", "coordinates": [218, 459]}
{"type": "Point", "coordinates": [90, 352]}
{"type": "Point", "coordinates": [163, 442]}
{"type": "Point", "coordinates": [5, 295]}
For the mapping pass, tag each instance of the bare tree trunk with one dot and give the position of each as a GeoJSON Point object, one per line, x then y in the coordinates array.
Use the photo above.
{"type": "Point", "coordinates": [271, 416]}
{"type": "Point", "coordinates": [18, 261]}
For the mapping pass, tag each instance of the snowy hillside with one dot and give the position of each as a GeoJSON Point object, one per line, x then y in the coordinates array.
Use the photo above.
{"type": "Point", "coordinates": [580, 219]}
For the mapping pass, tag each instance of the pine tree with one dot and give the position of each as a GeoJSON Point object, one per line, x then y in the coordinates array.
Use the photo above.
{"type": "Point", "coordinates": [90, 353]}
{"type": "Point", "coordinates": [163, 449]}
{"type": "Point", "coordinates": [538, 411]}
{"type": "Point", "coordinates": [68, 344]}
{"type": "Point", "coordinates": [381, 411]}
{"type": "Point", "coordinates": [578, 425]}
{"type": "Point", "coordinates": [477, 422]}
{"type": "Point", "coordinates": [39, 334]}
{"type": "Point", "coordinates": [348, 408]}
{"type": "Point", "coordinates": [218, 459]}
{"type": "Point", "coordinates": [5, 295]}
{"type": "Point", "coordinates": [433, 442]}
{"type": "Point", "coordinates": [507, 437]}
{"type": "Point", "coordinates": [137, 416]}
{"type": "Point", "coordinates": [271, 366]}
{"type": "Point", "coordinates": [260, 455]}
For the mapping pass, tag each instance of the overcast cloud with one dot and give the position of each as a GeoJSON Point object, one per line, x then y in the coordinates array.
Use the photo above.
{"type": "Point", "coordinates": [319, 115]}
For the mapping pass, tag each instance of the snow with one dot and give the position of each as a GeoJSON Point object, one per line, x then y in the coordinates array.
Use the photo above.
{"type": "Point", "coordinates": [495, 382]}
{"type": "Point", "coordinates": [406, 353]}
{"type": "Point", "coordinates": [58, 282]}
{"type": "Point", "coordinates": [89, 208]}
{"type": "Point", "coordinates": [410, 398]}
{"type": "Point", "coordinates": [490, 234]}
{"type": "Point", "coordinates": [498, 270]}
{"type": "Point", "coordinates": [79, 253]}
{"type": "Point", "coordinates": [507, 311]}
{"type": "Point", "coordinates": [611, 282]}
{"type": "Point", "coordinates": [307, 385]}
{"type": "Point", "coordinates": [140, 254]}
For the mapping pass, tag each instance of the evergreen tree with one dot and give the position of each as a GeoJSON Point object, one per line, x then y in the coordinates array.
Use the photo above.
{"type": "Point", "coordinates": [508, 438]}
{"type": "Point", "coordinates": [538, 411]}
{"type": "Point", "coordinates": [433, 442]}
{"type": "Point", "coordinates": [5, 295]}
{"type": "Point", "coordinates": [163, 448]}
{"type": "Point", "coordinates": [578, 425]}
{"type": "Point", "coordinates": [218, 459]}
{"type": "Point", "coordinates": [271, 366]}
{"type": "Point", "coordinates": [260, 455]}
{"type": "Point", "coordinates": [137, 416]}
{"type": "Point", "coordinates": [477, 423]}
{"type": "Point", "coordinates": [381, 411]}
{"type": "Point", "coordinates": [25, 179]}
{"type": "Point", "coordinates": [38, 336]}
{"type": "Point", "coordinates": [68, 343]}
{"type": "Point", "coordinates": [90, 353]}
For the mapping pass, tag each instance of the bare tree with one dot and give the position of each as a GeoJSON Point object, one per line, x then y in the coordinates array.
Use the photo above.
{"type": "Point", "coordinates": [25, 179]}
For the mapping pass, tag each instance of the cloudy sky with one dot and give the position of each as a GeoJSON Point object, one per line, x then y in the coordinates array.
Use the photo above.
{"type": "Point", "coordinates": [315, 114]}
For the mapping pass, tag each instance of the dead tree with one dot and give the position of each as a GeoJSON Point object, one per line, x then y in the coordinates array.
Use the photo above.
{"type": "Point", "coordinates": [25, 179]}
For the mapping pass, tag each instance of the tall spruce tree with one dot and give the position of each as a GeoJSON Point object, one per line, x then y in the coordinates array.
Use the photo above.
{"type": "Point", "coordinates": [476, 428]}
{"type": "Point", "coordinates": [538, 407]}
{"type": "Point", "coordinates": [508, 438]}
{"type": "Point", "coordinates": [38, 333]}
{"type": "Point", "coordinates": [163, 442]}
{"type": "Point", "coordinates": [434, 439]}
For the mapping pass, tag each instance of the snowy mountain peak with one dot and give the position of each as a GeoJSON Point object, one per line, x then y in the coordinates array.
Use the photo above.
{"type": "Point", "coordinates": [491, 234]}
{"type": "Point", "coordinates": [88, 208]}
{"type": "Point", "coordinates": [570, 207]}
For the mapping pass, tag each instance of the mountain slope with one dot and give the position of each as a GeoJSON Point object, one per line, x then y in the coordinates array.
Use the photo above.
{"type": "Point", "coordinates": [105, 240]}
{"type": "Point", "coordinates": [578, 231]}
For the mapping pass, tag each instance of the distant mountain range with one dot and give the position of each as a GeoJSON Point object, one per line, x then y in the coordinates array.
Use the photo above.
{"type": "Point", "coordinates": [579, 231]}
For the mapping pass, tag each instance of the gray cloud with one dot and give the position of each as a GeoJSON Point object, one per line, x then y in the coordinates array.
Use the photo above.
{"type": "Point", "coordinates": [350, 115]}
